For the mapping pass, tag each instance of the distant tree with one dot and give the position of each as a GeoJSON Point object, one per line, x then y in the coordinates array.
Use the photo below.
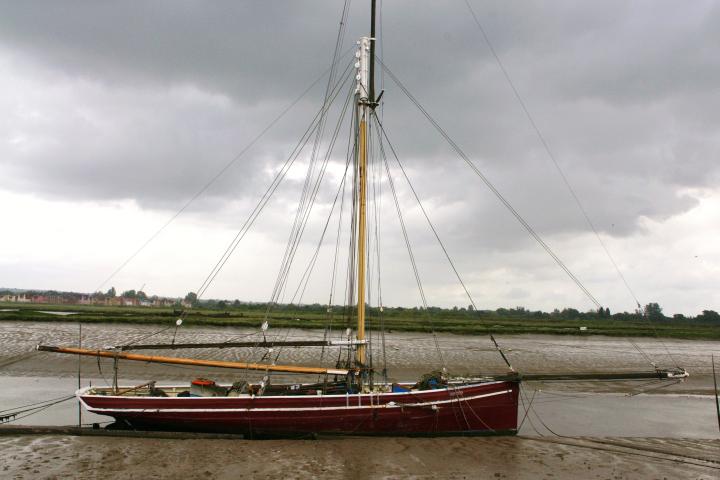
{"type": "Point", "coordinates": [222, 304]}
{"type": "Point", "coordinates": [607, 311]}
{"type": "Point", "coordinates": [141, 295]}
{"type": "Point", "coordinates": [236, 303]}
{"type": "Point", "coordinates": [129, 294]}
{"type": "Point", "coordinates": [679, 316]}
{"type": "Point", "coordinates": [627, 316]}
{"type": "Point", "coordinates": [470, 308]}
{"type": "Point", "coordinates": [709, 316]}
{"type": "Point", "coordinates": [191, 298]}
{"type": "Point", "coordinates": [653, 311]}
{"type": "Point", "coordinates": [112, 293]}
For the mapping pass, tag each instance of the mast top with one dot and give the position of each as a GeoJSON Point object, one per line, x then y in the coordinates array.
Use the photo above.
{"type": "Point", "coordinates": [371, 84]}
{"type": "Point", "coordinates": [362, 88]}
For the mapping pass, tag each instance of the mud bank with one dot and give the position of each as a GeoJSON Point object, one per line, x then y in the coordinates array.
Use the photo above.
{"type": "Point", "coordinates": [54, 456]}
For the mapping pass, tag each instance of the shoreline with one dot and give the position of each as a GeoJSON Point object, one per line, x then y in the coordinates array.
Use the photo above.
{"type": "Point", "coordinates": [465, 323]}
{"type": "Point", "coordinates": [476, 332]}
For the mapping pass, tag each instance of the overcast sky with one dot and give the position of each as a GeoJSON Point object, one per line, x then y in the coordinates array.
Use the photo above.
{"type": "Point", "coordinates": [116, 114]}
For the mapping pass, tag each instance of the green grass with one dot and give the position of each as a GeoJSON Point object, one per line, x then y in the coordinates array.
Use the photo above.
{"type": "Point", "coordinates": [406, 320]}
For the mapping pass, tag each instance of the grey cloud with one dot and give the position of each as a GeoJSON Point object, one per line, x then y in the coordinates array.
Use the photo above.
{"type": "Point", "coordinates": [153, 100]}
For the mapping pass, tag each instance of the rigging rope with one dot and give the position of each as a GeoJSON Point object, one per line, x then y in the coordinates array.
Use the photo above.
{"type": "Point", "coordinates": [564, 178]}
{"type": "Point", "coordinates": [227, 166]}
{"type": "Point", "coordinates": [297, 228]}
{"type": "Point", "coordinates": [311, 187]}
{"type": "Point", "coordinates": [333, 277]}
{"type": "Point", "coordinates": [265, 198]}
{"type": "Point", "coordinates": [492, 187]}
{"type": "Point", "coordinates": [305, 278]}
{"type": "Point", "coordinates": [382, 131]}
{"type": "Point", "coordinates": [550, 155]}
{"type": "Point", "coordinates": [11, 415]}
{"type": "Point", "coordinates": [310, 202]}
{"type": "Point", "coordinates": [311, 265]}
{"type": "Point", "coordinates": [377, 206]}
{"type": "Point", "coordinates": [302, 220]}
{"type": "Point", "coordinates": [410, 253]}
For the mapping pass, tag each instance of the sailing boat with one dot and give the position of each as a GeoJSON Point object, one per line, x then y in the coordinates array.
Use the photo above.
{"type": "Point", "coordinates": [350, 401]}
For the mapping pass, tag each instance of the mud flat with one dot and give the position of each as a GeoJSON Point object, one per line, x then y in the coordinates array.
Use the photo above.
{"type": "Point", "coordinates": [50, 457]}
{"type": "Point", "coordinates": [408, 355]}
{"type": "Point", "coordinates": [668, 409]}
{"type": "Point", "coordinates": [602, 431]}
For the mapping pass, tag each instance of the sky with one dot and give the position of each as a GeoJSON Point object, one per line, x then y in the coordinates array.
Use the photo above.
{"type": "Point", "coordinates": [115, 116]}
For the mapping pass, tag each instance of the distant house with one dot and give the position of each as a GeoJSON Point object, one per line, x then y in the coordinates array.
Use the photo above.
{"type": "Point", "coordinates": [54, 299]}
{"type": "Point", "coordinates": [163, 302]}
{"type": "Point", "coordinates": [15, 298]}
{"type": "Point", "coordinates": [186, 304]}
{"type": "Point", "coordinates": [129, 302]}
{"type": "Point", "coordinates": [114, 301]}
{"type": "Point", "coordinates": [39, 299]}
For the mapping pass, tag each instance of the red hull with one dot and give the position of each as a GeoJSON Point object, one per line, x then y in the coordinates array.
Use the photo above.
{"type": "Point", "coordinates": [482, 408]}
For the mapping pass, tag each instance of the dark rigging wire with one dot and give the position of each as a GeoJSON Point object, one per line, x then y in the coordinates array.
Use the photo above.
{"type": "Point", "coordinates": [409, 250]}
{"type": "Point", "coordinates": [303, 222]}
{"type": "Point", "coordinates": [310, 179]}
{"type": "Point", "coordinates": [422, 208]}
{"type": "Point", "coordinates": [492, 187]}
{"type": "Point", "coordinates": [216, 177]}
{"type": "Point", "coordinates": [550, 155]}
{"type": "Point", "coordinates": [264, 200]}
{"type": "Point", "coordinates": [565, 180]}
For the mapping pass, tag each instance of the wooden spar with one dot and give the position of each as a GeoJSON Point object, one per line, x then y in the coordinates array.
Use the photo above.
{"type": "Point", "coordinates": [193, 361]}
{"type": "Point", "coordinates": [671, 374]}
{"type": "Point", "coordinates": [262, 344]}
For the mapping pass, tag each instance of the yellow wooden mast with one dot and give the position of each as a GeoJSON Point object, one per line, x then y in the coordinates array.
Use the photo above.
{"type": "Point", "coordinates": [363, 114]}
{"type": "Point", "coordinates": [365, 94]}
{"type": "Point", "coordinates": [362, 178]}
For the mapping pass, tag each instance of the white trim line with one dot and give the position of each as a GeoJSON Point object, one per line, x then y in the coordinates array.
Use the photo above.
{"type": "Point", "coordinates": [297, 409]}
{"type": "Point", "coordinates": [85, 390]}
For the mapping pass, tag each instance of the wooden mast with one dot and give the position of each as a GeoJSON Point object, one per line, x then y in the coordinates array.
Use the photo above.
{"type": "Point", "coordinates": [362, 178]}
{"type": "Point", "coordinates": [365, 102]}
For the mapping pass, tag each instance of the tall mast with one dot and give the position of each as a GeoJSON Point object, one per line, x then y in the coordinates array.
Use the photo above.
{"type": "Point", "coordinates": [365, 97]}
